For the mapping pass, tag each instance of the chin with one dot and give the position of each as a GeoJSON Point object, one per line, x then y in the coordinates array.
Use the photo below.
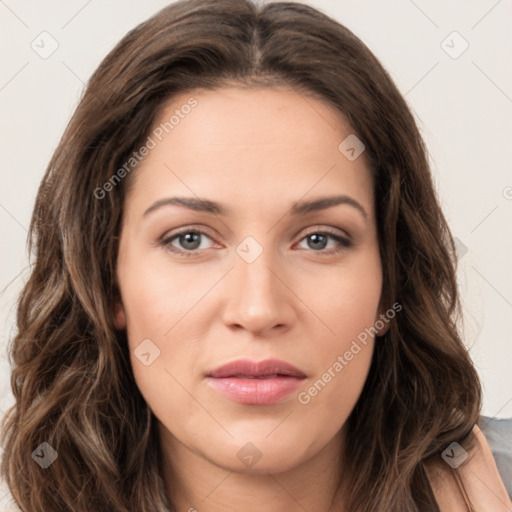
{"type": "Point", "coordinates": [263, 455]}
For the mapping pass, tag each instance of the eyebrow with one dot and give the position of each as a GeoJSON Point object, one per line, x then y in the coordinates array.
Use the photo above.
{"type": "Point", "coordinates": [299, 208]}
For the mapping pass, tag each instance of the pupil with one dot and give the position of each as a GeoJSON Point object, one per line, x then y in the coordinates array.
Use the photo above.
{"type": "Point", "coordinates": [321, 240]}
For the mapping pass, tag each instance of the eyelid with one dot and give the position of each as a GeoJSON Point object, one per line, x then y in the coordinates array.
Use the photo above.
{"type": "Point", "coordinates": [329, 230]}
{"type": "Point", "coordinates": [172, 233]}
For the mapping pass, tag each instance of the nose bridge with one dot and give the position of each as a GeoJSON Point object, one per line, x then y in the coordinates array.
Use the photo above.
{"type": "Point", "coordinates": [252, 272]}
{"type": "Point", "coordinates": [255, 279]}
{"type": "Point", "coordinates": [257, 299]}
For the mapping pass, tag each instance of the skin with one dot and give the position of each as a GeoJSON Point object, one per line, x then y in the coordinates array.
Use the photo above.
{"type": "Point", "coordinates": [256, 151]}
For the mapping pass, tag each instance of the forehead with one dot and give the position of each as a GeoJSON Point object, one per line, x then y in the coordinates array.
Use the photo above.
{"type": "Point", "coordinates": [256, 115]}
{"type": "Point", "coordinates": [251, 145]}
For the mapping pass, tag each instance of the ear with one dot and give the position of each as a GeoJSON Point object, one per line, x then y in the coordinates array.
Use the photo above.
{"type": "Point", "coordinates": [119, 315]}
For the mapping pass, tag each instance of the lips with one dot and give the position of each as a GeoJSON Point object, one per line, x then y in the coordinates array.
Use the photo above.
{"type": "Point", "coordinates": [252, 369]}
{"type": "Point", "coordinates": [256, 383]}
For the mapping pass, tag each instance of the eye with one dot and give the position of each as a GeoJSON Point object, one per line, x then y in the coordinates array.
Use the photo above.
{"type": "Point", "coordinates": [186, 242]}
{"type": "Point", "coordinates": [319, 240]}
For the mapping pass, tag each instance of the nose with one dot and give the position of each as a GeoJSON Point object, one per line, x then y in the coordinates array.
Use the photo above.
{"type": "Point", "coordinates": [258, 298]}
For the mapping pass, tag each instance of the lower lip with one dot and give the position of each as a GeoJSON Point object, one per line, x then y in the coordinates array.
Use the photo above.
{"type": "Point", "coordinates": [255, 391]}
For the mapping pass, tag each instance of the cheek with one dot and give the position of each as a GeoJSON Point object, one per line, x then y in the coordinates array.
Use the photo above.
{"type": "Point", "coordinates": [162, 328]}
{"type": "Point", "coordinates": [347, 302]}
{"type": "Point", "coordinates": [327, 400]}
{"type": "Point", "coordinates": [348, 307]}
{"type": "Point", "coordinates": [156, 300]}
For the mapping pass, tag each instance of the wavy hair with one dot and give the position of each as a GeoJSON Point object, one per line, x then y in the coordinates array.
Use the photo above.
{"type": "Point", "coordinates": [71, 374]}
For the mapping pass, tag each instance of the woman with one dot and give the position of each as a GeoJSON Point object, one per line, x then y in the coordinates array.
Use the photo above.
{"type": "Point", "coordinates": [244, 294]}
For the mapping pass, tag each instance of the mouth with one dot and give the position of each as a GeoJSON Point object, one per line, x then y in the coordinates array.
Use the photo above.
{"type": "Point", "coordinates": [245, 368]}
{"type": "Point", "coordinates": [256, 383]}
{"type": "Point", "coordinates": [273, 376]}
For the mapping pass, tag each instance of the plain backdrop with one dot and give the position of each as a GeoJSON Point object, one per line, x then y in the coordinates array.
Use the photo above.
{"type": "Point", "coordinates": [452, 60]}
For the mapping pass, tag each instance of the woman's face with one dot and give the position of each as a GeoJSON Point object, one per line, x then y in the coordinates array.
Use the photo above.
{"type": "Point", "coordinates": [275, 273]}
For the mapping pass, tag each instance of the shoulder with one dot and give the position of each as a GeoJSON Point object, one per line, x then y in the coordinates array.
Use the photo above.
{"type": "Point", "coordinates": [498, 433]}
{"type": "Point", "coordinates": [473, 478]}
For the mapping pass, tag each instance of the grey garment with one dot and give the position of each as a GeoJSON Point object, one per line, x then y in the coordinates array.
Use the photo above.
{"type": "Point", "coordinates": [498, 433]}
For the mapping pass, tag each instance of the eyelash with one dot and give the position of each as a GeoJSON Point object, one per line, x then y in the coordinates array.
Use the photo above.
{"type": "Point", "coordinates": [344, 242]}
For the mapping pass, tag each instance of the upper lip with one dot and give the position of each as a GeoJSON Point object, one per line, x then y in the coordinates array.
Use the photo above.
{"type": "Point", "coordinates": [248, 368]}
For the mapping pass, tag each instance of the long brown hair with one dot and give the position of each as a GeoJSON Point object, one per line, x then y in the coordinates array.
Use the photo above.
{"type": "Point", "coordinates": [71, 375]}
